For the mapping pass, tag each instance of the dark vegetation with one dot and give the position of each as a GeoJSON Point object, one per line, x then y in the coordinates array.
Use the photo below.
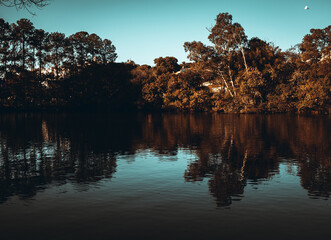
{"type": "Point", "coordinates": [41, 70]}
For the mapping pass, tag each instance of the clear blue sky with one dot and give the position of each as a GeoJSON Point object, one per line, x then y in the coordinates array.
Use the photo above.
{"type": "Point", "coordinates": [143, 30]}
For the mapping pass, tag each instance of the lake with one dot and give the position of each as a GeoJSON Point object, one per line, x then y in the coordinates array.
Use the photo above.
{"type": "Point", "coordinates": [164, 176]}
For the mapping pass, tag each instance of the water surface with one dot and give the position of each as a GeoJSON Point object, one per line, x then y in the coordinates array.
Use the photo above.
{"type": "Point", "coordinates": [164, 176]}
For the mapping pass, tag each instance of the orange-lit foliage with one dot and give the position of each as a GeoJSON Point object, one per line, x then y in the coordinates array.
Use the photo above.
{"type": "Point", "coordinates": [232, 74]}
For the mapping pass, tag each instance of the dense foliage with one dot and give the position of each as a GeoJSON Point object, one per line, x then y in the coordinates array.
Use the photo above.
{"type": "Point", "coordinates": [232, 74]}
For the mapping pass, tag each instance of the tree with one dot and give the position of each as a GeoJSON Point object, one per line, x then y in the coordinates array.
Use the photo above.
{"type": "Point", "coordinates": [153, 82]}
{"type": "Point", "coordinates": [94, 45]}
{"type": "Point", "coordinates": [316, 45]}
{"type": "Point", "coordinates": [184, 92]}
{"type": "Point", "coordinates": [24, 32]}
{"type": "Point", "coordinates": [312, 78]}
{"type": "Point", "coordinates": [270, 62]}
{"type": "Point", "coordinates": [56, 41]}
{"type": "Point", "coordinates": [155, 88]}
{"type": "Point", "coordinates": [40, 43]}
{"type": "Point", "coordinates": [23, 48]}
{"type": "Point", "coordinates": [79, 44]}
{"type": "Point", "coordinates": [252, 84]}
{"type": "Point", "coordinates": [107, 52]}
{"type": "Point", "coordinates": [166, 65]}
{"type": "Point", "coordinates": [227, 38]}
{"type": "Point", "coordinates": [14, 48]}
{"type": "Point", "coordinates": [4, 46]}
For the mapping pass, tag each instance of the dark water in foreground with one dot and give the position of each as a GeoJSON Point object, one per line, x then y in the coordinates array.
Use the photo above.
{"type": "Point", "coordinates": [164, 176]}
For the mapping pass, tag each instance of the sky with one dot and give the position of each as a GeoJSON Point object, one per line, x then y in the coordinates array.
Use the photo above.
{"type": "Point", "coordinates": [143, 30]}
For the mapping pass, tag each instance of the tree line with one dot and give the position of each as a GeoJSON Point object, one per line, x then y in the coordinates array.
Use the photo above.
{"type": "Point", "coordinates": [231, 74]}
{"type": "Point", "coordinates": [25, 48]}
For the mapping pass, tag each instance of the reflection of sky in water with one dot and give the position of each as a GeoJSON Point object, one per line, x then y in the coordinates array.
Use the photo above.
{"type": "Point", "coordinates": [148, 193]}
{"type": "Point", "coordinates": [193, 176]}
{"type": "Point", "coordinates": [158, 179]}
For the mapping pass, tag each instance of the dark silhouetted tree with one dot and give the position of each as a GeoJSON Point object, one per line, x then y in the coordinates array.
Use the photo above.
{"type": "Point", "coordinates": [107, 52]}
{"type": "Point", "coordinates": [79, 44]}
{"type": "Point", "coordinates": [57, 48]}
{"type": "Point", "coordinates": [24, 33]}
{"type": "Point", "coordinates": [94, 43]}
{"type": "Point", "coordinates": [41, 44]}
{"type": "Point", "coordinates": [4, 46]}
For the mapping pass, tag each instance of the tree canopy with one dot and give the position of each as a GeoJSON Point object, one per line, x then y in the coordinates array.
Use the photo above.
{"type": "Point", "coordinates": [231, 74]}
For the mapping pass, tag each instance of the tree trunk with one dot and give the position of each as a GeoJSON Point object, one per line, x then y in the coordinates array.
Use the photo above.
{"type": "Point", "coordinates": [243, 54]}
{"type": "Point", "coordinates": [232, 84]}
{"type": "Point", "coordinates": [225, 82]}
{"type": "Point", "coordinates": [33, 59]}
{"type": "Point", "coordinates": [40, 65]}
{"type": "Point", "coordinates": [23, 54]}
{"type": "Point", "coordinates": [56, 64]}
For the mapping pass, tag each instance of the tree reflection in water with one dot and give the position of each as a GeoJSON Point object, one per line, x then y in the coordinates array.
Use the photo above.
{"type": "Point", "coordinates": [232, 150]}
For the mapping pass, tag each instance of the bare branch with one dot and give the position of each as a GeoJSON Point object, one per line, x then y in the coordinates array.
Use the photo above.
{"type": "Point", "coordinates": [24, 4]}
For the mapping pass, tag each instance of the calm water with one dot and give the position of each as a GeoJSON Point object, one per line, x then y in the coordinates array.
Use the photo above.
{"type": "Point", "coordinates": [164, 176]}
